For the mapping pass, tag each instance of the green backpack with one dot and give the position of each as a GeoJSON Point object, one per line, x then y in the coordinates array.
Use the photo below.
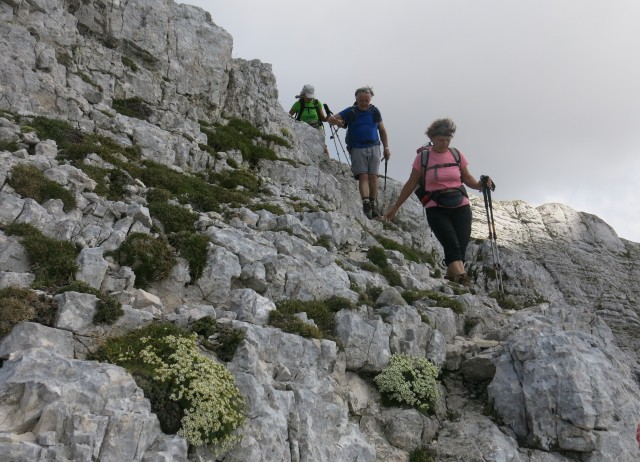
{"type": "Point", "coordinates": [303, 106]}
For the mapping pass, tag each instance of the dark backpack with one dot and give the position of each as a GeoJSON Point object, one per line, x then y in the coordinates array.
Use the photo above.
{"type": "Point", "coordinates": [351, 117]}
{"type": "Point", "coordinates": [451, 197]}
{"type": "Point", "coordinates": [303, 106]}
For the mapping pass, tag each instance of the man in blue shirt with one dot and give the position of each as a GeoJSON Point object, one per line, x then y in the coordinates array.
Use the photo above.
{"type": "Point", "coordinates": [365, 131]}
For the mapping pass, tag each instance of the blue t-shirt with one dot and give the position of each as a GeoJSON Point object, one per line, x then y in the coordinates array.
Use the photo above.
{"type": "Point", "coordinates": [363, 130]}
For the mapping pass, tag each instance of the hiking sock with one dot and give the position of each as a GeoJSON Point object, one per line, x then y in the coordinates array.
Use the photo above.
{"type": "Point", "coordinates": [367, 207]}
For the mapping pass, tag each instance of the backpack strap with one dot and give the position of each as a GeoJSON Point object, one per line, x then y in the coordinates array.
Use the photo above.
{"type": "Point", "coordinates": [351, 115]}
{"type": "Point", "coordinates": [377, 117]}
{"type": "Point", "coordinates": [424, 160]}
{"type": "Point", "coordinates": [316, 106]}
{"type": "Point", "coordinates": [456, 156]}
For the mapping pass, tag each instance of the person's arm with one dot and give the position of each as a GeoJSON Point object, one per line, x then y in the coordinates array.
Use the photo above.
{"type": "Point", "coordinates": [336, 119]}
{"type": "Point", "coordinates": [295, 108]}
{"type": "Point", "coordinates": [469, 180]}
{"type": "Point", "coordinates": [384, 139]}
{"type": "Point", "coordinates": [321, 115]}
{"type": "Point", "coordinates": [405, 192]}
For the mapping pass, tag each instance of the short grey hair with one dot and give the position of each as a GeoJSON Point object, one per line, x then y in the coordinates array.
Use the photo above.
{"type": "Point", "coordinates": [366, 89]}
{"type": "Point", "coordinates": [441, 127]}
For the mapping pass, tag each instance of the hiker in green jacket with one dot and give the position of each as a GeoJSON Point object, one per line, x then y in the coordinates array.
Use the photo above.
{"type": "Point", "coordinates": [308, 109]}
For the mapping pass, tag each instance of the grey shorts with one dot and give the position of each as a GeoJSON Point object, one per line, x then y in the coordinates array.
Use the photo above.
{"type": "Point", "coordinates": [365, 160]}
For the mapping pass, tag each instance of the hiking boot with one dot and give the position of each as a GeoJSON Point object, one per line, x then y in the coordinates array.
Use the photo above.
{"type": "Point", "coordinates": [463, 279]}
{"type": "Point", "coordinates": [367, 208]}
{"type": "Point", "coordinates": [374, 209]}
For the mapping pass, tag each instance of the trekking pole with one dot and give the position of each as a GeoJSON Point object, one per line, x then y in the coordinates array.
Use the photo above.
{"type": "Point", "coordinates": [384, 189]}
{"type": "Point", "coordinates": [488, 205]}
{"type": "Point", "coordinates": [334, 136]}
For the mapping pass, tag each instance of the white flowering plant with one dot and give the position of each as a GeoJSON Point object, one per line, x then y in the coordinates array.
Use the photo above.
{"type": "Point", "coordinates": [411, 380]}
{"type": "Point", "coordinates": [205, 390]}
{"type": "Point", "coordinates": [191, 394]}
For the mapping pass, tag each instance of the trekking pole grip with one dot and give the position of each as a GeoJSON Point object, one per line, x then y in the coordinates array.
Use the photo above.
{"type": "Point", "coordinates": [484, 179]}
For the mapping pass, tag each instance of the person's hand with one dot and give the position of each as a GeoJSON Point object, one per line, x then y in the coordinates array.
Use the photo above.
{"type": "Point", "coordinates": [387, 153]}
{"type": "Point", "coordinates": [487, 182]}
{"type": "Point", "coordinates": [391, 213]}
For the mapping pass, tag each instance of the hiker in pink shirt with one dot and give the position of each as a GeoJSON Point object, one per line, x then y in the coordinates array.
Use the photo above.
{"type": "Point", "coordinates": [441, 173]}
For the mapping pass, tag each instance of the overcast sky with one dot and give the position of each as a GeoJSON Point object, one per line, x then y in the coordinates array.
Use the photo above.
{"type": "Point", "coordinates": [545, 93]}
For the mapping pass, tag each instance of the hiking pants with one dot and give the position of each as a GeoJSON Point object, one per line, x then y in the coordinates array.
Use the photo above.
{"type": "Point", "coordinates": [365, 160]}
{"type": "Point", "coordinates": [452, 227]}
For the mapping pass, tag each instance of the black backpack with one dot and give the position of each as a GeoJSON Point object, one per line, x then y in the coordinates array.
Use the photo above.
{"type": "Point", "coordinates": [351, 117]}
{"type": "Point", "coordinates": [448, 197]}
{"type": "Point", "coordinates": [303, 106]}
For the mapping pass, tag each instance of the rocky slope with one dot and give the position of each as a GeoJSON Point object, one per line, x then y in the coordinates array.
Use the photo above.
{"type": "Point", "coordinates": [550, 376]}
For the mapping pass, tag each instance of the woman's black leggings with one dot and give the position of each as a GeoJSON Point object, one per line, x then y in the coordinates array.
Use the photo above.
{"type": "Point", "coordinates": [452, 227]}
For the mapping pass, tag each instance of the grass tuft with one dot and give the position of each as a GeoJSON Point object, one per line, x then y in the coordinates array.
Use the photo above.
{"type": "Point", "coordinates": [108, 310]}
{"type": "Point", "coordinates": [20, 304]}
{"type": "Point", "coordinates": [53, 262]}
{"type": "Point", "coordinates": [29, 181]}
{"type": "Point", "coordinates": [151, 258]}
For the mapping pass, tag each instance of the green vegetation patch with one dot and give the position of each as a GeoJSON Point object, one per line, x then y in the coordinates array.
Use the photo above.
{"type": "Point", "coordinates": [368, 296]}
{"type": "Point", "coordinates": [188, 189]}
{"type": "Point", "coordinates": [273, 208]}
{"type": "Point", "coordinates": [151, 258]}
{"type": "Point", "coordinates": [409, 253]}
{"type": "Point", "coordinates": [192, 395]}
{"type": "Point", "coordinates": [409, 380]}
{"type": "Point", "coordinates": [29, 181]}
{"type": "Point", "coordinates": [222, 339]}
{"type": "Point", "coordinates": [231, 179]}
{"type": "Point", "coordinates": [194, 248]}
{"type": "Point", "coordinates": [241, 135]}
{"type": "Point", "coordinates": [19, 304]}
{"type": "Point", "coordinates": [411, 296]}
{"type": "Point", "coordinates": [53, 262]}
{"type": "Point", "coordinates": [505, 301]}
{"type": "Point", "coordinates": [108, 310]}
{"type": "Point", "coordinates": [322, 312]}
{"type": "Point", "coordinates": [204, 194]}
{"type": "Point", "coordinates": [275, 139]}
{"type": "Point", "coordinates": [74, 144]}
{"type": "Point", "coordinates": [10, 146]}
{"type": "Point", "coordinates": [420, 455]}
{"type": "Point", "coordinates": [174, 218]}
{"type": "Point", "coordinates": [133, 107]}
{"type": "Point", "coordinates": [130, 63]}
{"type": "Point", "coordinates": [324, 241]}
{"type": "Point", "coordinates": [378, 257]}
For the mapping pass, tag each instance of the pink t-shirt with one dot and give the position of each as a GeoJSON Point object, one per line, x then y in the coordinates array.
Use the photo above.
{"type": "Point", "coordinates": [441, 177]}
